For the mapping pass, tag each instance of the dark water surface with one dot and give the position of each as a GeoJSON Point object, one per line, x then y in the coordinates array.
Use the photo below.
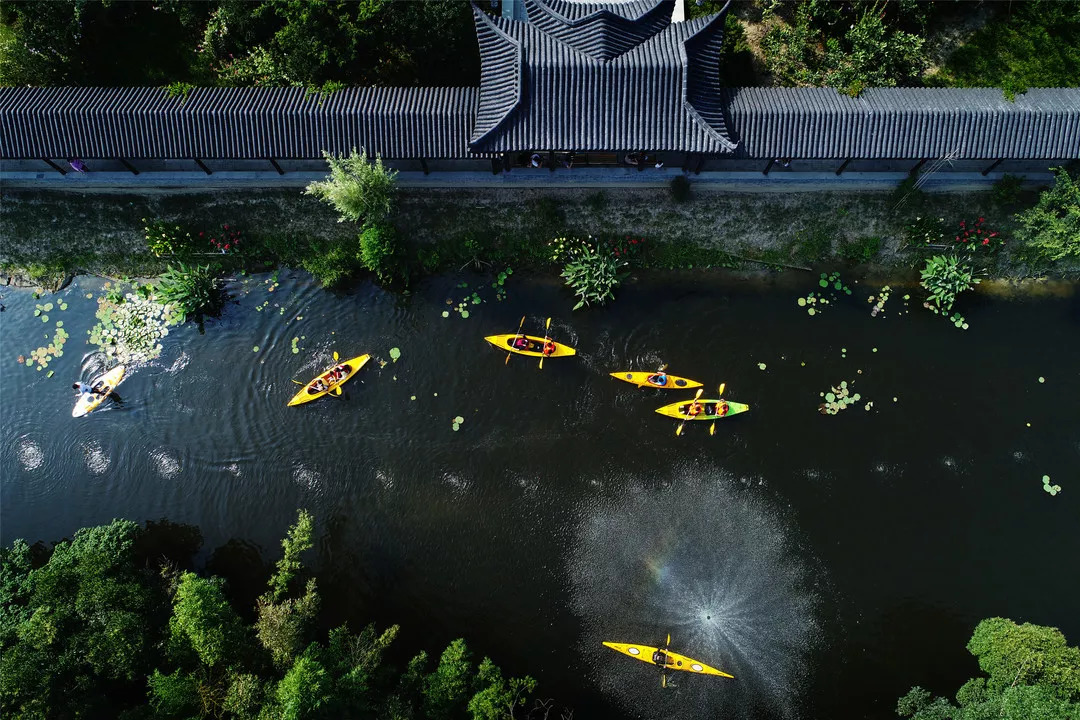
{"type": "Point", "coordinates": [829, 562]}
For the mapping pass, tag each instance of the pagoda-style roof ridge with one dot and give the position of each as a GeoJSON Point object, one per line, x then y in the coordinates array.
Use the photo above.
{"type": "Point", "coordinates": [701, 75]}
{"type": "Point", "coordinates": [502, 69]}
{"type": "Point", "coordinates": [601, 32]}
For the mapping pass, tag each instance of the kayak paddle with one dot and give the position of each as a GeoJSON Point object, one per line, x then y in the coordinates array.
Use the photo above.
{"type": "Point", "coordinates": [546, 338]}
{"type": "Point", "coordinates": [516, 336]}
{"type": "Point", "coordinates": [720, 398]}
{"type": "Point", "coordinates": [678, 430]}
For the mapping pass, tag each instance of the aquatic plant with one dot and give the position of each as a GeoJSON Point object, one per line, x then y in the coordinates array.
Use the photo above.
{"type": "Point", "coordinates": [380, 252]}
{"type": "Point", "coordinates": [882, 298]}
{"type": "Point", "coordinates": [839, 398]}
{"type": "Point", "coordinates": [945, 277]}
{"type": "Point", "coordinates": [812, 302]}
{"type": "Point", "coordinates": [131, 330]}
{"type": "Point", "coordinates": [192, 290]}
{"type": "Point", "coordinates": [1052, 489]}
{"type": "Point", "coordinates": [591, 273]}
{"type": "Point", "coordinates": [833, 279]}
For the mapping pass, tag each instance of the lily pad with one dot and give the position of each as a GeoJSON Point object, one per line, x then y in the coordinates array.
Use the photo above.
{"type": "Point", "coordinates": [44, 318]}
{"type": "Point", "coordinates": [395, 353]}
{"type": "Point", "coordinates": [445, 313]}
{"type": "Point", "coordinates": [1042, 379]}
{"type": "Point", "coordinates": [459, 419]}
{"type": "Point", "coordinates": [464, 313]}
{"type": "Point", "coordinates": [255, 349]}
{"type": "Point", "coordinates": [811, 311]}
{"type": "Point", "coordinates": [802, 302]}
{"type": "Point", "coordinates": [761, 366]}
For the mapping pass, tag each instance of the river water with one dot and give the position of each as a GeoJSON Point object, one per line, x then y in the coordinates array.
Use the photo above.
{"type": "Point", "coordinates": [828, 562]}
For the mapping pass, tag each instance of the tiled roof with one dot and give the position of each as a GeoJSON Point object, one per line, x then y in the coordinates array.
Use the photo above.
{"type": "Point", "coordinates": [904, 123]}
{"type": "Point", "coordinates": [501, 64]}
{"type": "Point", "coordinates": [235, 122]}
{"type": "Point", "coordinates": [600, 30]}
{"type": "Point", "coordinates": [652, 97]}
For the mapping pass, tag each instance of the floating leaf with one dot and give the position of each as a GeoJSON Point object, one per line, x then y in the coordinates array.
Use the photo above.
{"type": "Point", "coordinates": [44, 318]}
{"type": "Point", "coordinates": [412, 397]}
{"type": "Point", "coordinates": [59, 323]}
{"type": "Point", "coordinates": [761, 366]}
{"type": "Point", "coordinates": [459, 419]}
{"type": "Point", "coordinates": [255, 349]}
{"type": "Point", "coordinates": [802, 302]}
{"type": "Point", "coordinates": [37, 313]}
{"type": "Point", "coordinates": [456, 426]}
{"type": "Point", "coordinates": [445, 313]}
{"type": "Point", "coordinates": [823, 283]}
{"type": "Point", "coordinates": [829, 397]}
{"type": "Point", "coordinates": [395, 353]}
{"type": "Point", "coordinates": [464, 314]}
{"type": "Point", "coordinates": [1042, 379]}
{"type": "Point", "coordinates": [63, 306]}
{"type": "Point", "coordinates": [810, 311]}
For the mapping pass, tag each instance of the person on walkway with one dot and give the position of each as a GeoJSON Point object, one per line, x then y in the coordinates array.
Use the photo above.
{"type": "Point", "coordinates": [536, 160]}
{"type": "Point", "coordinates": [568, 160]}
{"type": "Point", "coordinates": [632, 158]}
{"type": "Point", "coordinates": [77, 165]}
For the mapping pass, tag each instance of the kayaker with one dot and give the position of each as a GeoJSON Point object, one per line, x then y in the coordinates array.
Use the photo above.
{"type": "Point", "coordinates": [549, 347]}
{"type": "Point", "coordinates": [721, 408]}
{"type": "Point", "coordinates": [660, 378]}
{"type": "Point", "coordinates": [86, 389]}
{"type": "Point", "coordinates": [695, 409]}
{"type": "Point", "coordinates": [660, 658]}
{"type": "Point", "coordinates": [320, 386]}
{"type": "Point", "coordinates": [522, 343]}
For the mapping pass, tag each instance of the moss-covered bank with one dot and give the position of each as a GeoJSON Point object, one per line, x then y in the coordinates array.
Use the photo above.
{"type": "Point", "coordinates": [47, 234]}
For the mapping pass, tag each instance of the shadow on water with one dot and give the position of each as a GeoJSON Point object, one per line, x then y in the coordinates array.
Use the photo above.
{"type": "Point", "coordinates": [701, 556]}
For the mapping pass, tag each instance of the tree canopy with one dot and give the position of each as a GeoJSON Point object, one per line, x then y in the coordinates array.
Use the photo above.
{"type": "Point", "coordinates": [1032, 674]}
{"type": "Point", "coordinates": [89, 629]}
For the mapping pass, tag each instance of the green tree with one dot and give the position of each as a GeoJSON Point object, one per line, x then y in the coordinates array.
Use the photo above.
{"type": "Point", "coordinates": [1051, 229]}
{"type": "Point", "coordinates": [1033, 675]}
{"type": "Point", "coordinates": [305, 689]}
{"type": "Point", "coordinates": [447, 689]}
{"type": "Point", "coordinates": [298, 539]}
{"type": "Point", "coordinates": [77, 628]}
{"type": "Point", "coordinates": [174, 695]}
{"type": "Point", "coordinates": [496, 697]}
{"type": "Point", "coordinates": [361, 190]}
{"type": "Point", "coordinates": [203, 622]}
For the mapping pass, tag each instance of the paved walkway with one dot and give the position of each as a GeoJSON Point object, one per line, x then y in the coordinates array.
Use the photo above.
{"type": "Point", "coordinates": [780, 181]}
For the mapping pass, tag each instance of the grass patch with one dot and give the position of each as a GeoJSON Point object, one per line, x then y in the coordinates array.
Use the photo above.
{"type": "Point", "coordinates": [862, 250]}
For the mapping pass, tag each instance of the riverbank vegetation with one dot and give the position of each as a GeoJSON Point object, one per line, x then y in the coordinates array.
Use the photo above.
{"type": "Point", "coordinates": [324, 46]}
{"type": "Point", "coordinates": [116, 624]}
{"type": "Point", "coordinates": [1031, 672]}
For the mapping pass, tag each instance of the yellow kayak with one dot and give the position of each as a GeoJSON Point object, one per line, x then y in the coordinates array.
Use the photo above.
{"type": "Point", "coordinates": [533, 347]}
{"type": "Point", "coordinates": [309, 391]}
{"type": "Point", "coordinates": [709, 409]}
{"type": "Point", "coordinates": [665, 659]}
{"type": "Point", "coordinates": [648, 379]}
{"type": "Point", "coordinates": [106, 383]}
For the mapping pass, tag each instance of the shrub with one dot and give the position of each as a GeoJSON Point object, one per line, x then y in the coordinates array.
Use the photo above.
{"type": "Point", "coordinates": [1007, 189]}
{"type": "Point", "coordinates": [165, 239]}
{"type": "Point", "coordinates": [945, 277]}
{"type": "Point", "coordinates": [360, 190]}
{"type": "Point", "coordinates": [862, 250]}
{"type": "Point", "coordinates": [680, 189]}
{"type": "Point", "coordinates": [192, 290]}
{"type": "Point", "coordinates": [1051, 229]}
{"type": "Point", "coordinates": [380, 252]}
{"type": "Point", "coordinates": [330, 263]}
{"type": "Point", "coordinates": [590, 272]}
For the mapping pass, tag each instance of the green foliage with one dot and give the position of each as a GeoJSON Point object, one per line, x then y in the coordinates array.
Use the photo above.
{"type": "Point", "coordinates": [192, 290]}
{"type": "Point", "coordinates": [849, 46]}
{"type": "Point", "coordinates": [1033, 675]}
{"type": "Point", "coordinates": [360, 190]}
{"type": "Point", "coordinates": [165, 239]}
{"type": "Point", "coordinates": [174, 695]}
{"type": "Point", "coordinates": [862, 250]}
{"type": "Point", "coordinates": [1030, 44]}
{"type": "Point", "coordinates": [281, 625]}
{"type": "Point", "coordinates": [591, 272]}
{"type": "Point", "coordinates": [380, 252]}
{"type": "Point", "coordinates": [204, 623]}
{"type": "Point", "coordinates": [680, 189]}
{"type": "Point", "coordinates": [496, 697]}
{"type": "Point", "coordinates": [944, 277]}
{"type": "Point", "coordinates": [1051, 229]}
{"type": "Point", "coordinates": [1007, 189]}
{"type": "Point", "coordinates": [331, 262]}
{"type": "Point", "coordinates": [179, 90]}
{"type": "Point", "coordinates": [305, 688]}
{"type": "Point", "coordinates": [245, 696]}
{"type": "Point", "coordinates": [77, 623]}
{"type": "Point", "coordinates": [298, 539]}
{"type": "Point", "coordinates": [447, 688]}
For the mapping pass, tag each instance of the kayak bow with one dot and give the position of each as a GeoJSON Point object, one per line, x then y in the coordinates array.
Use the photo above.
{"type": "Point", "coordinates": [641, 379]}
{"type": "Point", "coordinates": [678, 410]}
{"type": "Point", "coordinates": [534, 349]}
{"type": "Point", "coordinates": [309, 393]}
{"type": "Point", "coordinates": [667, 660]}
{"type": "Point", "coordinates": [86, 403]}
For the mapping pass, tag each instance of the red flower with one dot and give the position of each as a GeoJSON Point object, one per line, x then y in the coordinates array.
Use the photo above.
{"type": "Point", "coordinates": [226, 227]}
{"type": "Point", "coordinates": [200, 234]}
{"type": "Point", "coordinates": [226, 246]}
{"type": "Point", "coordinates": [980, 219]}
{"type": "Point", "coordinates": [986, 241]}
